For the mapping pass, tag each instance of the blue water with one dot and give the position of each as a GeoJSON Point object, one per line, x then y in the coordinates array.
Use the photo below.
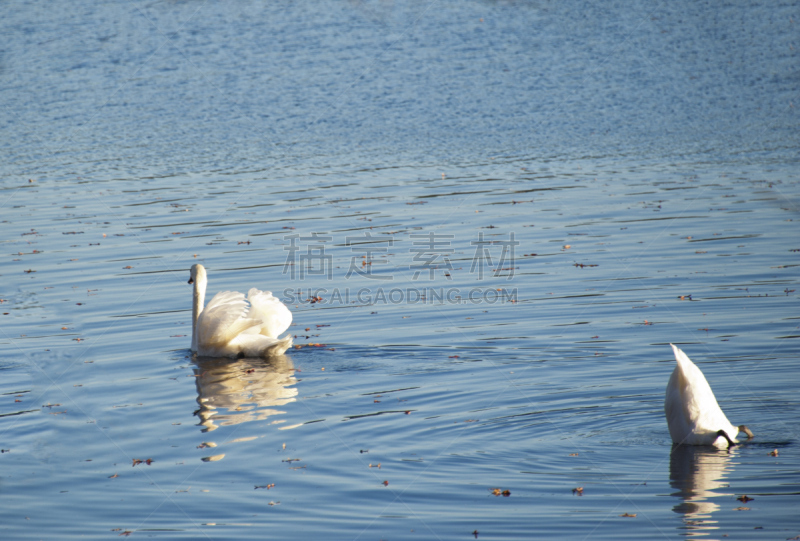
{"type": "Point", "coordinates": [508, 211]}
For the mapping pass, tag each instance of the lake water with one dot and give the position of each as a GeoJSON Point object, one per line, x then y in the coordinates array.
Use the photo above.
{"type": "Point", "coordinates": [504, 211]}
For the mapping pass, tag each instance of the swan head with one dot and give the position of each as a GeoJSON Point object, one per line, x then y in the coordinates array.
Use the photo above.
{"type": "Point", "coordinates": [743, 428]}
{"type": "Point", "coordinates": [197, 273]}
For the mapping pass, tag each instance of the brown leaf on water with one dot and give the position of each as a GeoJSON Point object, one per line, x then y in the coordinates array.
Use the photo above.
{"type": "Point", "coordinates": [386, 483]}
{"type": "Point", "coordinates": [741, 509]}
{"type": "Point", "coordinates": [578, 491]}
{"type": "Point", "coordinates": [126, 533]}
{"type": "Point", "coordinates": [475, 533]}
{"type": "Point", "coordinates": [506, 493]}
{"type": "Point", "coordinates": [269, 486]}
{"type": "Point", "coordinates": [774, 452]}
{"type": "Point", "coordinates": [744, 498]}
{"type": "Point", "coordinates": [631, 515]}
{"type": "Point", "coordinates": [113, 476]}
{"type": "Point", "coordinates": [573, 454]}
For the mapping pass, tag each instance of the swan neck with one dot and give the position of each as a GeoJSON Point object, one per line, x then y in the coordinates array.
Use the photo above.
{"type": "Point", "coordinates": [724, 434]}
{"type": "Point", "coordinates": [198, 301]}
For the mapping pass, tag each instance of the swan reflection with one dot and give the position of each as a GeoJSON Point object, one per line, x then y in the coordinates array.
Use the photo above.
{"type": "Point", "coordinates": [232, 392]}
{"type": "Point", "coordinates": [697, 473]}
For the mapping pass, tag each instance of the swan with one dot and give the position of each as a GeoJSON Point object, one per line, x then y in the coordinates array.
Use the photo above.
{"type": "Point", "coordinates": [693, 415]}
{"type": "Point", "coordinates": [226, 328]}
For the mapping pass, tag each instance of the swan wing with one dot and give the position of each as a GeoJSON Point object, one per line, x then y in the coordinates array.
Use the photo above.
{"type": "Point", "coordinates": [275, 317]}
{"type": "Point", "coordinates": [222, 319]}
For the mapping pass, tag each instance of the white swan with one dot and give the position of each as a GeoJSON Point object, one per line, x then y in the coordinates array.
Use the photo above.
{"type": "Point", "coordinates": [693, 415]}
{"type": "Point", "coordinates": [226, 328]}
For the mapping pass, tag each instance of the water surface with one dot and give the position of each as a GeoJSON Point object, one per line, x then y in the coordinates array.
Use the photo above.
{"type": "Point", "coordinates": [508, 210]}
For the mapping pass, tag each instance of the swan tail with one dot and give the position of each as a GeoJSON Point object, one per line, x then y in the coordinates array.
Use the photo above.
{"type": "Point", "coordinates": [280, 347]}
{"type": "Point", "coordinates": [693, 414]}
{"type": "Point", "coordinates": [256, 345]}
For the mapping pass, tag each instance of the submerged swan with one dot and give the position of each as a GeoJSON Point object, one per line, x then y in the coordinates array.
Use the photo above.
{"type": "Point", "coordinates": [226, 328]}
{"type": "Point", "coordinates": [693, 415]}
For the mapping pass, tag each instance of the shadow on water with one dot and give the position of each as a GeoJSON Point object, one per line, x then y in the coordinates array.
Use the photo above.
{"type": "Point", "coordinates": [230, 392]}
{"type": "Point", "coordinates": [697, 472]}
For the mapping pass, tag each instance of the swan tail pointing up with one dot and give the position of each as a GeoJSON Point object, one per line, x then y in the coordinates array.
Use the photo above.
{"type": "Point", "coordinates": [693, 414]}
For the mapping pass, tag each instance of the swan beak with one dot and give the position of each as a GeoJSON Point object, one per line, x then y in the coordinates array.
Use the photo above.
{"type": "Point", "coordinates": [190, 281]}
